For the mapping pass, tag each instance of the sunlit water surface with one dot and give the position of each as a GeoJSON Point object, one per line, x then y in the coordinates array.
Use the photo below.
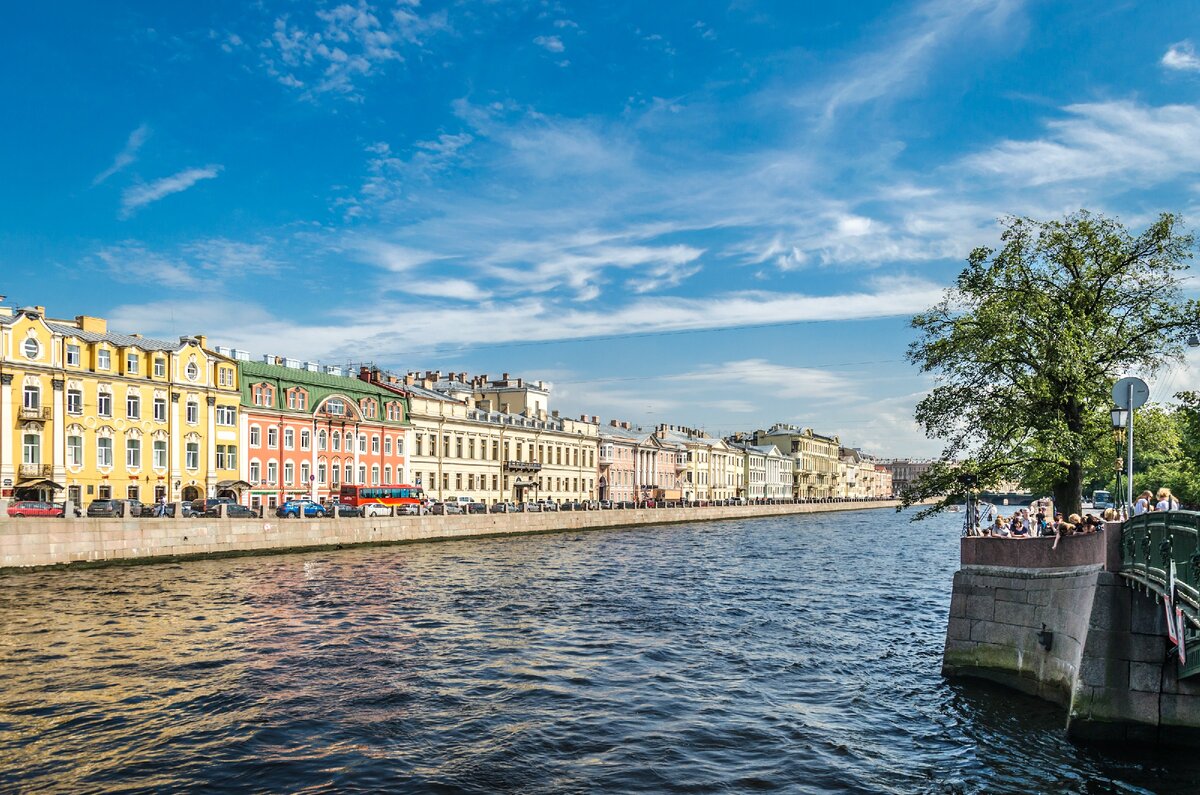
{"type": "Point", "coordinates": [793, 654]}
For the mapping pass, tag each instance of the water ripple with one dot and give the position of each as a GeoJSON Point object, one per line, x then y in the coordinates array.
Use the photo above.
{"type": "Point", "coordinates": [782, 655]}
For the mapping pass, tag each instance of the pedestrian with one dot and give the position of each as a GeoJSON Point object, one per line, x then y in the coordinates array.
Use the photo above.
{"type": "Point", "coordinates": [1143, 504]}
{"type": "Point", "coordinates": [1166, 502]}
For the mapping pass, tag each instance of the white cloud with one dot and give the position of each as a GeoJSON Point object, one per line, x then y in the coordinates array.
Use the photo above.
{"type": "Point", "coordinates": [773, 380]}
{"type": "Point", "coordinates": [1100, 141]}
{"type": "Point", "coordinates": [550, 43]}
{"type": "Point", "coordinates": [1181, 57]}
{"type": "Point", "coordinates": [897, 66]}
{"type": "Point", "coordinates": [139, 196]}
{"type": "Point", "coordinates": [126, 156]}
{"type": "Point", "coordinates": [342, 46]}
{"type": "Point", "coordinates": [205, 265]}
{"type": "Point", "coordinates": [132, 263]}
{"type": "Point", "coordinates": [452, 289]}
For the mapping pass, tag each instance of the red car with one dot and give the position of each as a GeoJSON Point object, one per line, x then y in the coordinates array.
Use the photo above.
{"type": "Point", "coordinates": [32, 508]}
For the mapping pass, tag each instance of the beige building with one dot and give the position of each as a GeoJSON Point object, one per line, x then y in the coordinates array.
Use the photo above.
{"type": "Point", "coordinates": [713, 470]}
{"type": "Point", "coordinates": [905, 471]}
{"type": "Point", "coordinates": [493, 440]}
{"type": "Point", "coordinates": [816, 458]}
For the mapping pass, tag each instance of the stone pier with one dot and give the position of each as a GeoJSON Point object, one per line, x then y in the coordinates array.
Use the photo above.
{"type": "Point", "coordinates": [1064, 625]}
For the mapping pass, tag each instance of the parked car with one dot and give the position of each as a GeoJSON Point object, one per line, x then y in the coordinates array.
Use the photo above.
{"type": "Point", "coordinates": [529, 507]}
{"type": "Point", "coordinates": [548, 505]}
{"type": "Point", "coordinates": [200, 507]}
{"type": "Point", "coordinates": [377, 509]}
{"type": "Point", "coordinates": [63, 506]}
{"type": "Point", "coordinates": [350, 511]}
{"type": "Point", "coordinates": [503, 507]}
{"type": "Point", "coordinates": [412, 509]}
{"type": "Point", "coordinates": [114, 508]}
{"type": "Point", "coordinates": [605, 505]}
{"type": "Point", "coordinates": [446, 509]}
{"type": "Point", "coordinates": [570, 505]}
{"type": "Point", "coordinates": [473, 507]}
{"type": "Point", "coordinates": [232, 511]}
{"type": "Point", "coordinates": [34, 508]}
{"type": "Point", "coordinates": [292, 508]}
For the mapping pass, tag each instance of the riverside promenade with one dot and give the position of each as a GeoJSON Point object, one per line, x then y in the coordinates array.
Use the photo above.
{"type": "Point", "coordinates": [41, 543]}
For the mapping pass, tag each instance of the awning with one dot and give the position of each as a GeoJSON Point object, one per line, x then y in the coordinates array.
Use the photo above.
{"type": "Point", "coordinates": [40, 483]}
{"type": "Point", "coordinates": [233, 484]}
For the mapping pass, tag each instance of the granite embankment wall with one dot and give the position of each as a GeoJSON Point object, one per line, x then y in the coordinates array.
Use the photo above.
{"type": "Point", "coordinates": [29, 543]}
{"type": "Point", "coordinates": [1108, 659]}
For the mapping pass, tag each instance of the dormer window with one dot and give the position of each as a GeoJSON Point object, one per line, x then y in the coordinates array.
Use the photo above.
{"type": "Point", "coordinates": [336, 406]}
{"type": "Point", "coordinates": [103, 359]}
{"type": "Point", "coordinates": [193, 371]}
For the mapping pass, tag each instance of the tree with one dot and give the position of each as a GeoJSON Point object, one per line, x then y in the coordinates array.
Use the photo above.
{"type": "Point", "coordinates": [1027, 344]}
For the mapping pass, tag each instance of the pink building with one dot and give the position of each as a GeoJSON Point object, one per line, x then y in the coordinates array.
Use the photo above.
{"type": "Point", "coordinates": [307, 433]}
{"type": "Point", "coordinates": [637, 464]}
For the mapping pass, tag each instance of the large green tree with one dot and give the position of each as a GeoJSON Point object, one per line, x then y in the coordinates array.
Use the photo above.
{"type": "Point", "coordinates": [1026, 346]}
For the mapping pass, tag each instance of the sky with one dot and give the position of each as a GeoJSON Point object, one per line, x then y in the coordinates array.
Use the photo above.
{"type": "Point", "coordinates": [714, 214]}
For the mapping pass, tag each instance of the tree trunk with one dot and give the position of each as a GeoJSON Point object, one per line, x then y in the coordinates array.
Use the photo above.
{"type": "Point", "coordinates": [1068, 494]}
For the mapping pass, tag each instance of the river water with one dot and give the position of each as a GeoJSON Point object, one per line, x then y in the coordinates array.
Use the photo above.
{"type": "Point", "coordinates": [795, 654]}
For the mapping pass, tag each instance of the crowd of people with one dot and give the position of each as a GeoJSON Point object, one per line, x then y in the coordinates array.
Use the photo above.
{"type": "Point", "coordinates": [1040, 520]}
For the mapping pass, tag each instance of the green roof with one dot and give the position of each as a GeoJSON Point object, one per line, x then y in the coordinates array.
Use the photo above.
{"type": "Point", "coordinates": [318, 385]}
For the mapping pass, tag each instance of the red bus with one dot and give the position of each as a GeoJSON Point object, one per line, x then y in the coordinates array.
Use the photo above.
{"type": "Point", "coordinates": [388, 495]}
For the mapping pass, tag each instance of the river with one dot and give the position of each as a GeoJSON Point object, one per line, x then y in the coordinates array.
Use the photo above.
{"type": "Point", "coordinates": [796, 654]}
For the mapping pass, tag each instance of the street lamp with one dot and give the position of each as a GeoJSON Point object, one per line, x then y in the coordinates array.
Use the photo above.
{"type": "Point", "coordinates": [1120, 417]}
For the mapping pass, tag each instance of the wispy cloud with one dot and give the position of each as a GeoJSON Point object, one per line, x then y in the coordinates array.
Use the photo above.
{"type": "Point", "coordinates": [900, 64]}
{"type": "Point", "coordinates": [1181, 57]}
{"type": "Point", "coordinates": [126, 156]}
{"type": "Point", "coordinates": [549, 43]}
{"type": "Point", "coordinates": [139, 196]}
{"type": "Point", "coordinates": [781, 380]}
{"type": "Point", "coordinates": [343, 45]}
{"type": "Point", "coordinates": [203, 265]}
{"type": "Point", "coordinates": [1100, 141]}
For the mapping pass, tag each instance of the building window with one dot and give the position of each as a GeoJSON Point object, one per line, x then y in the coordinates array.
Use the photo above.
{"type": "Point", "coordinates": [337, 441]}
{"type": "Point", "coordinates": [272, 438]}
{"type": "Point", "coordinates": [160, 409]}
{"type": "Point", "coordinates": [255, 473]}
{"type": "Point", "coordinates": [133, 453]}
{"type": "Point", "coordinates": [374, 475]}
{"type": "Point", "coordinates": [255, 436]}
{"type": "Point", "coordinates": [103, 359]}
{"type": "Point", "coordinates": [74, 451]}
{"type": "Point", "coordinates": [160, 454]}
{"type": "Point", "coordinates": [321, 478]}
{"type": "Point", "coordinates": [322, 438]}
{"type": "Point", "coordinates": [387, 475]}
{"type": "Point", "coordinates": [131, 364]}
{"type": "Point", "coordinates": [362, 473]}
{"type": "Point", "coordinates": [104, 452]}
{"type": "Point", "coordinates": [73, 355]}
{"type": "Point", "coordinates": [193, 411]}
{"type": "Point", "coordinates": [305, 473]}
{"type": "Point", "coordinates": [221, 457]}
{"type": "Point", "coordinates": [133, 406]}
{"type": "Point", "coordinates": [362, 443]}
{"type": "Point", "coordinates": [74, 401]}
{"type": "Point", "coordinates": [226, 415]}
{"type": "Point", "coordinates": [31, 449]}
{"type": "Point", "coordinates": [104, 404]}
{"type": "Point", "coordinates": [305, 439]}
{"type": "Point", "coordinates": [289, 439]}
{"type": "Point", "coordinates": [132, 492]}
{"type": "Point", "coordinates": [225, 376]}
{"type": "Point", "coordinates": [192, 454]}
{"type": "Point", "coordinates": [336, 406]}
{"type": "Point", "coordinates": [387, 445]}
{"type": "Point", "coordinates": [160, 368]}
{"type": "Point", "coordinates": [33, 397]}
{"type": "Point", "coordinates": [193, 372]}
{"type": "Point", "coordinates": [32, 348]}
{"type": "Point", "coordinates": [349, 473]}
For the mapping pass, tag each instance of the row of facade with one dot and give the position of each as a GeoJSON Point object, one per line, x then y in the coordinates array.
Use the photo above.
{"type": "Point", "coordinates": [89, 414]}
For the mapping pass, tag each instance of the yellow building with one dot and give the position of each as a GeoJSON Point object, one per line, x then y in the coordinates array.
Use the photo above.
{"type": "Point", "coordinates": [87, 414]}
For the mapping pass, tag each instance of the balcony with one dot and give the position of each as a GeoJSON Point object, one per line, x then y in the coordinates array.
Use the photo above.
{"type": "Point", "coordinates": [522, 466]}
{"type": "Point", "coordinates": [42, 414]}
{"type": "Point", "coordinates": [27, 471]}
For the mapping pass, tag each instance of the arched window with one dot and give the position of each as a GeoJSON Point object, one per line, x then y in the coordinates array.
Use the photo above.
{"type": "Point", "coordinates": [337, 441]}
{"type": "Point", "coordinates": [305, 439]}
{"type": "Point", "coordinates": [322, 442]}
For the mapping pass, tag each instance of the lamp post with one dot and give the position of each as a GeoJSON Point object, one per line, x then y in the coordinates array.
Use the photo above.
{"type": "Point", "coordinates": [1120, 417]}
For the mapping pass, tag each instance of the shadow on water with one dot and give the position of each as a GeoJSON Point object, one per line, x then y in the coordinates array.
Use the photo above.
{"type": "Point", "coordinates": [793, 654]}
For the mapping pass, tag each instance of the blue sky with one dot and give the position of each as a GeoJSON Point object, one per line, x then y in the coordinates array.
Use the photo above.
{"type": "Point", "coordinates": [712, 214]}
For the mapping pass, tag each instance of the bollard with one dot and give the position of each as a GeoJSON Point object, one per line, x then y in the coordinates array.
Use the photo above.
{"type": "Point", "coordinates": [223, 510]}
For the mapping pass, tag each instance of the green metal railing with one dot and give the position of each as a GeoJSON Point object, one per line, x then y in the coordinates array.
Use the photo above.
{"type": "Point", "coordinates": [1160, 552]}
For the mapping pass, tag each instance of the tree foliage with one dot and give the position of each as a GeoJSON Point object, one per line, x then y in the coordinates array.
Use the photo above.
{"type": "Point", "coordinates": [1026, 346]}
